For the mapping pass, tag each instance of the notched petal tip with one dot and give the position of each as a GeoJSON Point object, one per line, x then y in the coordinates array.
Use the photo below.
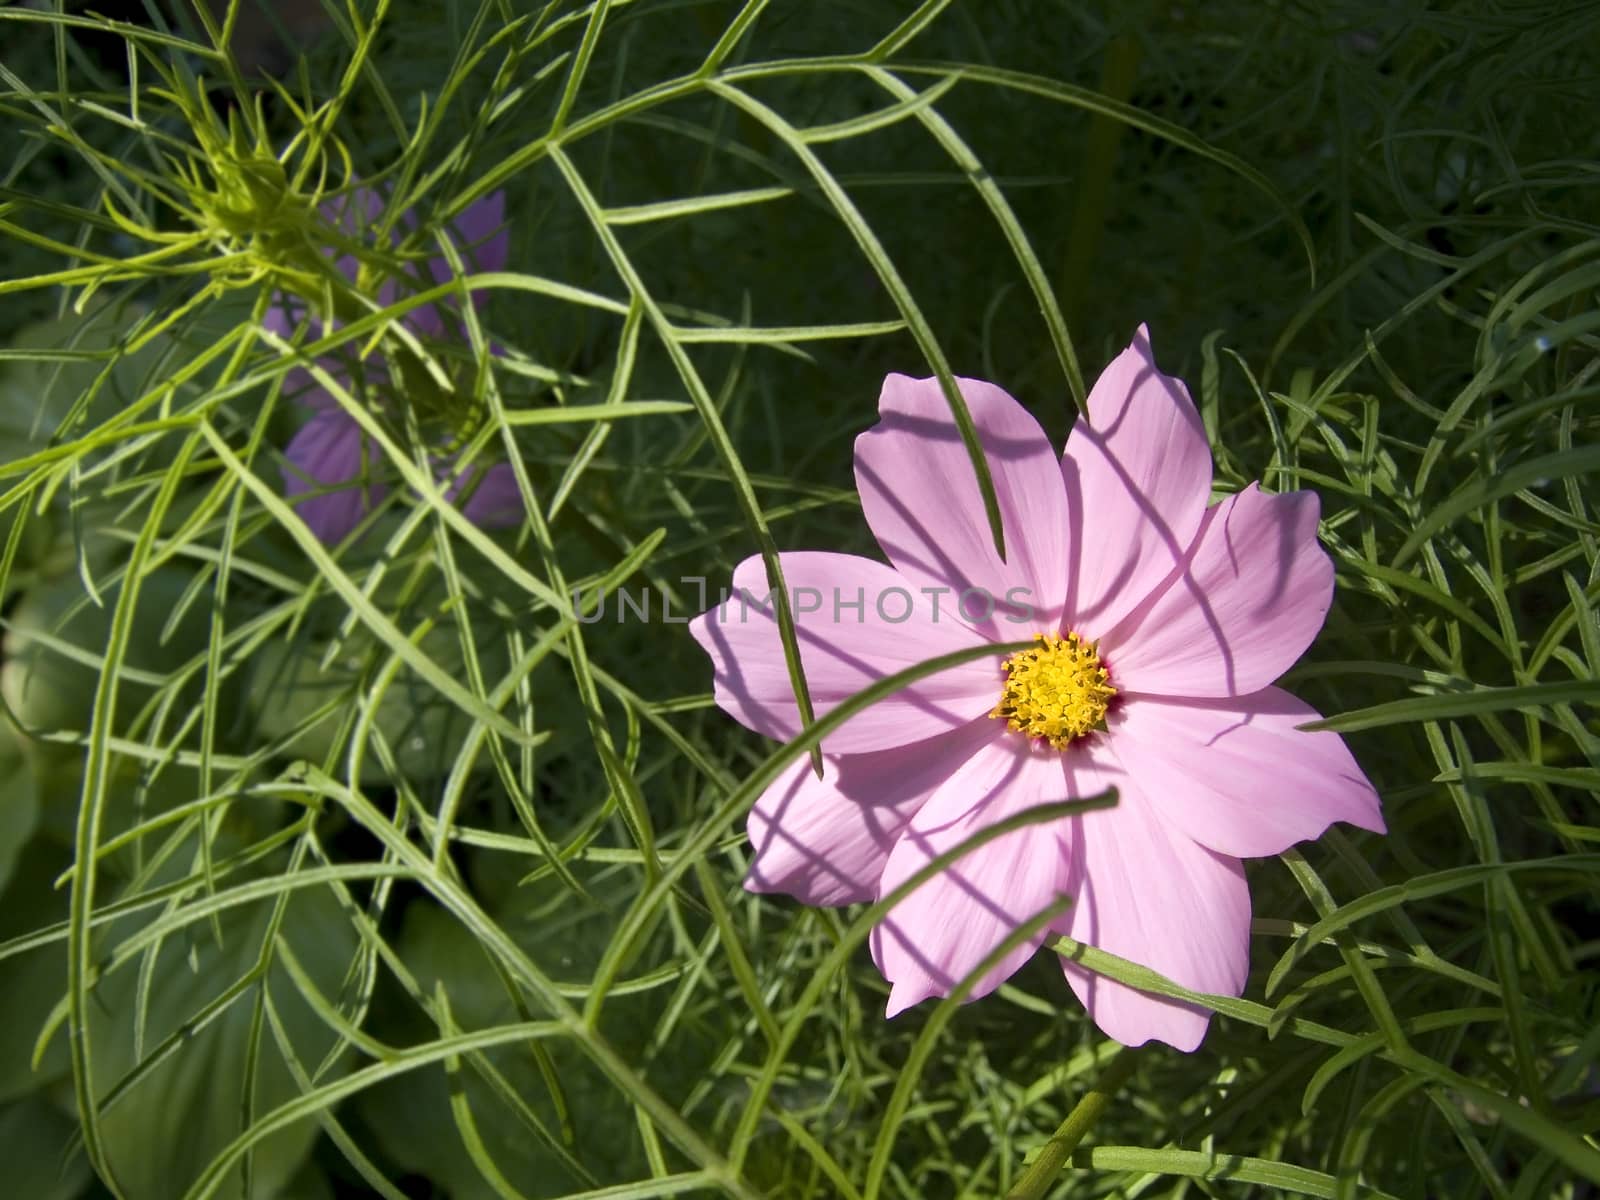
{"type": "Point", "coordinates": [903, 394]}
{"type": "Point", "coordinates": [1136, 1018]}
{"type": "Point", "coordinates": [1137, 470]}
{"type": "Point", "coordinates": [700, 629]}
{"type": "Point", "coordinates": [1155, 897]}
{"type": "Point", "coordinates": [1247, 600]}
{"type": "Point", "coordinates": [1139, 346]}
{"type": "Point", "coordinates": [1239, 774]}
{"type": "Point", "coordinates": [904, 995]}
{"type": "Point", "coordinates": [754, 884]}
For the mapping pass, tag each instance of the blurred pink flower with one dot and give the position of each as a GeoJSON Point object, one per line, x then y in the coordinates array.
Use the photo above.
{"type": "Point", "coordinates": [1159, 622]}
{"type": "Point", "coordinates": [329, 454]}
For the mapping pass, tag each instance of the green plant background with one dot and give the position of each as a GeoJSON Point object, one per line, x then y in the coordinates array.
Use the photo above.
{"type": "Point", "coordinates": [372, 870]}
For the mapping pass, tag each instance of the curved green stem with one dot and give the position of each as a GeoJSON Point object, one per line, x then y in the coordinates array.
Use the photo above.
{"type": "Point", "coordinates": [1045, 1169]}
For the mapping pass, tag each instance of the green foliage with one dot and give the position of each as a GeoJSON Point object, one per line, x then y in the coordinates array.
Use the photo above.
{"type": "Point", "coordinates": [380, 868]}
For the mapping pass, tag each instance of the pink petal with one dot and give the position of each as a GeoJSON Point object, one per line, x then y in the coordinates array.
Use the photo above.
{"type": "Point", "coordinates": [939, 934]}
{"type": "Point", "coordinates": [283, 317]}
{"type": "Point", "coordinates": [496, 501]}
{"type": "Point", "coordinates": [824, 841]}
{"type": "Point", "coordinates": [284, 314]}
{"type": "Point", "coordinates": [353, 214]}
{"type": "Point", "coordinates": [483, 240]}
{"type": "Point", "coordinates": [1152, 896]}
{"type": "Point", "coordinates": [920, 495]}
{"type": "Point", "coordinates": [1138, 476]}
{"type": "Point", "coordinates": [325, 453]}
{"type": "Point", "coordinates": [356, 214]}
{"type": "Point", "coordinates": [1237, 776]}
{"type": "Point", "coordinates": [481, 235]}
{"type": "Point", "coordinates": [1248, 600]}
{"type": "Point", "coordinates": [843, 649]}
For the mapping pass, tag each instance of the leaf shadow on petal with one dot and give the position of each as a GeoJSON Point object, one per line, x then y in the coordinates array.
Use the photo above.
{"type": "Point", "coordinates": [822, 654]}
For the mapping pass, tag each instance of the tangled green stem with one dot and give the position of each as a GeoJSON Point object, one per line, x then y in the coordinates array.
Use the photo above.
{"type": "Point", "coordinates": [1043, 1171]}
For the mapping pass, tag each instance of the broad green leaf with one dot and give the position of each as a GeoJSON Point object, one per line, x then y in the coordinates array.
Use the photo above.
{"type": "Point", "coordinates": [164, 1128]}
{"type": "Point", "coordinates": [35, 979]}
{"type": "Point", "coordinates": [19, 800]}
{"type": "Point", "coordinates": [40, 1159]}
{"type": "Point", "coordinates": [56, 637]}
{"type": "Point", "coordinates": [288, 684]}
{"type": "Point", "coordinates": [411, 1114]}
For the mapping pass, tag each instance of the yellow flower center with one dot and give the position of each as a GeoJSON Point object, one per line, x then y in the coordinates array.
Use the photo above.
{"type": "Point", "coordinates": [1056, 692]}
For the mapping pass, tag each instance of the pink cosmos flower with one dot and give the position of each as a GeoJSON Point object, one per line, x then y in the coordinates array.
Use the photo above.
{"type": "Point", "coordinates": [330, 455]}
{"type": "Point", "coordinates": [1160, 621]}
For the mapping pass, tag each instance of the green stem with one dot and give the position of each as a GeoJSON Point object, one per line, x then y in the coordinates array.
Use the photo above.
{"type": "Point", "coordinates": [427, 398]}
{"type": "Point", "coordinates": [1046, 1169]}
{"type": "Point", "coordinates": [1120, 70]}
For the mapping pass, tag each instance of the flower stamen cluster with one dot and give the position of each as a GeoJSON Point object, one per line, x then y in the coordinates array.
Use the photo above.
{"type": "Point", "coordinates": [1056, 693]}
